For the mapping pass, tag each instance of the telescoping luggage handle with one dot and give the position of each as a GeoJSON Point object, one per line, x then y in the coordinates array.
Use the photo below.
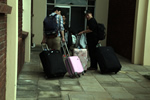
{"type": "Point", "coordinates": [45, 47]}
{"type": "Point", "coordinates": [98, 45]}
{"type": "Point", "coordinates": [64, 43]}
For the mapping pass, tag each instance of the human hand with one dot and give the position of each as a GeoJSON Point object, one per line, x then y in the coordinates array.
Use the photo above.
{"type": "Point", "coordinates": [63, 39]}
{"type": "Point", "coordinates": [80, 33]}
{"type": "Point", "coordinates": [43, 41]}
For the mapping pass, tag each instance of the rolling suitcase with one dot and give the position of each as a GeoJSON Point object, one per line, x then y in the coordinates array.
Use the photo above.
{"type": "Point", "coordinates": [73, 65]}
{"type": "Point", "coordinates": [107, 60]}
{"type": "Point", "coordinates": [82, 54]}
{"type": "Point", "coordinates": [52, 62]}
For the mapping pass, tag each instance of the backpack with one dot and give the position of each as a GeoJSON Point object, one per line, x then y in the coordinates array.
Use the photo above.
{"type": "Point", "coordinates": [101, 32]}
{"type": "Point", "coordinates": [50, 26]}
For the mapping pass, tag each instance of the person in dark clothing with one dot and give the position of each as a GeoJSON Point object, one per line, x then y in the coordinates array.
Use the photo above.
{"type": "Point", "coordinates": [92, 39]}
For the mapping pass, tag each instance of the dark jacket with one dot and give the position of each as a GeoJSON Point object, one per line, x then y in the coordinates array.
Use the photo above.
{"type": "Point", "coordinates": [92, 25]}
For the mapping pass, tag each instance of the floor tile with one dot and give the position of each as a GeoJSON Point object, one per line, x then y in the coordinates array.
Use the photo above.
{"type": "Point", "coordinates": [26, 94]}
{"type": "Point", "coordinates": [49, 99]}
{"type": "Point", "coordinates": [49, 94]}
{"type": "Point", "coordinates": [80, 96]}
{"type": "Point", "coordinates": [130, 83]}
{"type": "Point", "coordinates": [110, 84]}
{"type": "Point", "coordinates": [122, 96]}
{"type": "Point", "coordinates": [28, 77]}
{"type": "Point", "coordinates": [136, 91]}
{"type": "Point", "coordinates": [100, 95]}
{"type": "Point", "coordinates": [124, 80]}
{"type": "Point", "coordinates": [69, 82]}
{"type": "Point", "coordinates": [93, 88]}
{"type": "Point", "coordinates": [26, 87]}
{"type": "Point", "coordinates": [48, 82]}
{"type": "Point", "coordinates": [145, 84]}
{"type": "Point", "coordinates": [89, 83]}
{"type": "Point", "coordinates": [142, 97]}
{"type": "Point", "coordinates": [27, 82]}
{"type": "Point", "coordinates": [26, 99]}
{"type": "Point", "coordinates": [104, 78]}
{"type": "Point", "coordinates": [115, 89]}
{"type": "Point", "coordinates": [70, 88]}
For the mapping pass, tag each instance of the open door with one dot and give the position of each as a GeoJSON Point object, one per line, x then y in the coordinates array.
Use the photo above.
{"type": "Point", "coordinates": [66, 10]}
{"type": "Point", "coordinates": [74, 17]}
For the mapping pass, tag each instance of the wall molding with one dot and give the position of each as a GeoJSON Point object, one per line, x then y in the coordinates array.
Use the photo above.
{"type": "Point", "coordinates": [5, 9]}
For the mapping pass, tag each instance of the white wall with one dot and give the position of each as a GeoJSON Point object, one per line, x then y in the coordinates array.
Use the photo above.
{"type": "Point", "coordinates": [27, 27]}
{"type": "Point", "coordinates": [146, 60]}
{"type": "Point", "coordinates": [101, 14]}
{"type": "Point", "coordinates": [12, 51]}
{"type": "Point", "coordinates": [139, 32]}
{"type": "Point", "coordinates": [39, 12]}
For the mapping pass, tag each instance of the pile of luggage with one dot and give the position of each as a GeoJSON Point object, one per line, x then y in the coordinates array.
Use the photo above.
{"type": "Point", "coordinates": [75, 65]}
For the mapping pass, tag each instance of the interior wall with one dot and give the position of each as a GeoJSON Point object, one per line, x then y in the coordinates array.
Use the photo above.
{"type": "Point", "coordinates": [147, 40]}
{"type": "Point", "coordinates": [27, 27]}
{"type": "Point", "coordinates": [101, 14]}
{"type": "Point", "coordinates": [39, 13]}
{"type": "Point", "coordinates": [12, 51]}
{"type": "Point", "coordinates": [141, 34]}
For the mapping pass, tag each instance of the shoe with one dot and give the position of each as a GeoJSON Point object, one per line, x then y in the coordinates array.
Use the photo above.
{"type": "Point", "coordinates": [91, 68]}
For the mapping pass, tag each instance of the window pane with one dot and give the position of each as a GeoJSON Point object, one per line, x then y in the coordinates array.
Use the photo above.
{"type": "Point", "coordinates": [91, 2]}
{"type": "Point", "coordinates": [73, 2]}
{"type": "Point", "coordinates": [50, 1]}
{"type": "Point", "coordinates": [77, 19]}
{"type": "Point", "coordinates": [49, 9]}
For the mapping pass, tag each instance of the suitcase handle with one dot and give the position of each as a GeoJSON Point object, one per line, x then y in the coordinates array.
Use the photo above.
{"type": "Point", "coordinates": [64, 43]}
{"type": "Point", "coordinates": [45, 47]}
{"type": "Point", "coordinates": [98, 45]}
{"type": "Point", "coordinates": [77, 41]}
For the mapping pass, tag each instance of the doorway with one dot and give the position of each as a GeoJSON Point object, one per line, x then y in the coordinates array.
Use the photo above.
{"type": "Point", "coordinates": [121, 26]}
{"type": "Point", "coordinates": [74, 17]}
{"type": "Point", "coordinates": [66, 10]}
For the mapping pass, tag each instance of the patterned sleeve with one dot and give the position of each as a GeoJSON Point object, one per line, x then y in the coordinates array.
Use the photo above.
{"type": "Point", "coordinates": [61, 24]}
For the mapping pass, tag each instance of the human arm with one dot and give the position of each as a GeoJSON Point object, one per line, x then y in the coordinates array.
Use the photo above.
{"type": "Point", "coordinates": [85, 31]}
{"type": "Point", "coordinates": [63, 37]}
{"type": "Point", "coordinates": [92, 27]}
{"type": "Point", "coordinates": [62, 28]}
{"type": "Point", "coordinates": [44, 37]}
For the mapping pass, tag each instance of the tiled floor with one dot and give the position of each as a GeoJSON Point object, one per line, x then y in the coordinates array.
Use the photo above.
{"type": "Point", "coordinates": [131, 83]}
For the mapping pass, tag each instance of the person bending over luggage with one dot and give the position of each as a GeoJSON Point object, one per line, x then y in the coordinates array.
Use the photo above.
{"type": "Point", "coordinates": [92, 39]}
{"type": "Point", "coordinates": [53, 41]}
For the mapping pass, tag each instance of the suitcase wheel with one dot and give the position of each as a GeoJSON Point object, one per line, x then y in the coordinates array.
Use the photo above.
{"type": "Point", "coordinates": [116, 72]}
{"type": "Point", "coordinates": [46, 77]}
{"type": "Point", "coordinates": [82, 73]}
{"type": "Point", "coordinates": [71, 76]}
{"type": "Point", "coordinates": [78, 75]}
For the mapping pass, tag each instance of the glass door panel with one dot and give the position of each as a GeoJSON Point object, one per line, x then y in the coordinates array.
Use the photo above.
{"type": "Point", "coordinates": [77, 19]}
{"type": "Point", "coordinates": [66, 10]}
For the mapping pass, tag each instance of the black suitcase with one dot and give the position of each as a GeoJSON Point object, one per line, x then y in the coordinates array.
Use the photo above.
{"type": "Point", "coordinates": [107, 60]}
{"type": "Point", "coordinates": [53, 64]}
